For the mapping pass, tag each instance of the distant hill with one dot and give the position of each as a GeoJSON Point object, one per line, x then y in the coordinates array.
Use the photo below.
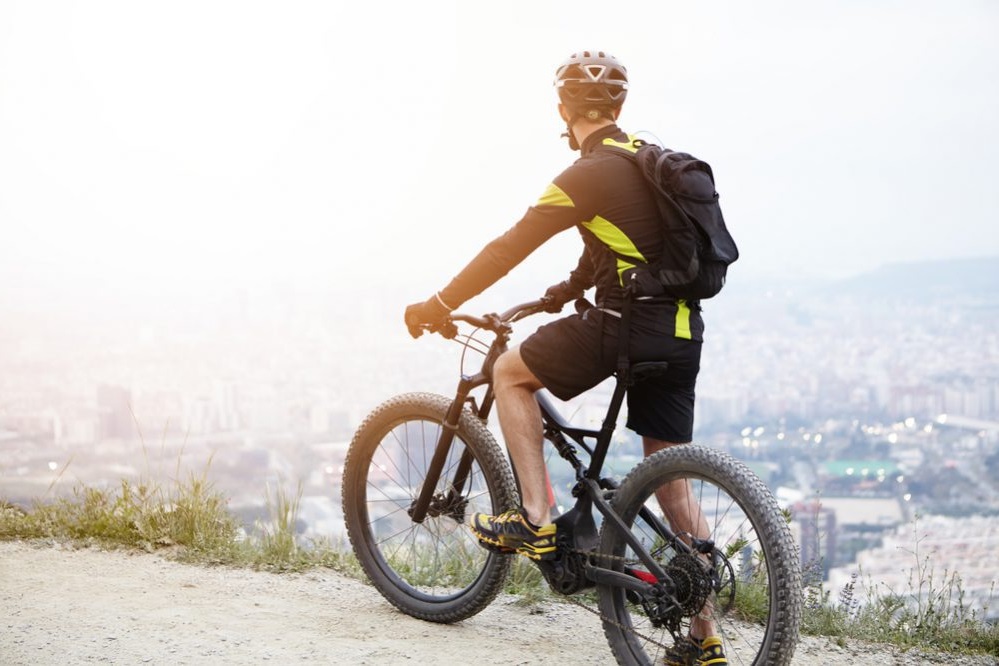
{"type": "Point", "coordinates": [974, 278]}
{"type": "Point", "coordinates": [959, 279]}
{"type": "Point", "coordinates": [971, 282]}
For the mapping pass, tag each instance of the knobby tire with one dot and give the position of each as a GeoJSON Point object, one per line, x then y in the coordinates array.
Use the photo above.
{"type": "Point", "coordinates": [761, 626]}
{"type": "Point", "coordinates": [433, 570]}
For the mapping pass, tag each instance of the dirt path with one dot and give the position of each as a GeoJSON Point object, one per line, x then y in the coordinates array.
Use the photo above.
{"type": "Point", "coordinates": [63, 606]}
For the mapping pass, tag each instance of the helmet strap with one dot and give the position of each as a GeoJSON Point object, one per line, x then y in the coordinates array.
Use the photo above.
{"type": "Point", "coordinates": [574, 117]}
{"type": "Point", "coordinates": [573, 144]}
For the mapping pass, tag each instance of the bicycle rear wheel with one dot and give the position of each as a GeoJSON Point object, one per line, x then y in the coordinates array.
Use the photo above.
{"type": "Point", "coordinates": [754, 599]}
{"type": "Point", "coordinates": [434, 570]}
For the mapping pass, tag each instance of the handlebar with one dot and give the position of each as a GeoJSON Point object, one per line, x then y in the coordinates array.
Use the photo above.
{"type": "Point", "coordinates": [491, 322]}
{"type": "Point", "coordinates": [496, 322]}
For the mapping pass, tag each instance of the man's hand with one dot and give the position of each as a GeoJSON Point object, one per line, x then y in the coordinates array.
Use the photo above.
{"type": "Point", "coordinates": [560, 294]}
{"type": "Point", "coordinates": [431, 315]}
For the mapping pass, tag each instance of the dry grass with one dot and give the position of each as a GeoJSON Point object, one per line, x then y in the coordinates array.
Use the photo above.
{"type": "Point", "coordinates": [190, 520]}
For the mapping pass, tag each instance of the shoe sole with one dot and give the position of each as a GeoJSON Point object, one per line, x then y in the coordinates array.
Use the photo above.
{"type": "Point", "coordinates": [493, 548]}
{"type": "Point", "coordinates": [527, 550]}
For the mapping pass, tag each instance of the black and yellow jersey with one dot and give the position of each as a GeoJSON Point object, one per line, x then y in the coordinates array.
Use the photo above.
{"type": "Point", "coordinates": [608, 201]}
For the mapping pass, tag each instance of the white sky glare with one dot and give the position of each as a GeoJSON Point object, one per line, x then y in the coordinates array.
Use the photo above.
{"type": "Point", "coordinates": [183, 147]}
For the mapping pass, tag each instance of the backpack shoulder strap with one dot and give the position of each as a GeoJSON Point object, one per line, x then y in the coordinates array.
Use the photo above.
{"type": "Point", "coordinates": [651, 161]}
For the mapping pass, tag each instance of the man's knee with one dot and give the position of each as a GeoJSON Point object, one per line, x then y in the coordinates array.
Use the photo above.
{"type": "Point", "coordinates": [510, 371]}
{"type": "Point", "coordinates": [652, 445]}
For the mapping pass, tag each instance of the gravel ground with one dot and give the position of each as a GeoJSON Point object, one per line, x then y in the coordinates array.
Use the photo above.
{"type": "Point", "coordinates": [61, 605]}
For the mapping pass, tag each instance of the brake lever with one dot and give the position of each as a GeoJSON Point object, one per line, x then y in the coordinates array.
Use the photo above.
{"type": "Point", "coordinates": [497, 324]}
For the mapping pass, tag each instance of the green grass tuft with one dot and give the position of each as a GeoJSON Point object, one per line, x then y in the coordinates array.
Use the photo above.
{"type": "Point", "coordinates": [190, 521]}
{"type": "Point", "coordinates": [930, 614]}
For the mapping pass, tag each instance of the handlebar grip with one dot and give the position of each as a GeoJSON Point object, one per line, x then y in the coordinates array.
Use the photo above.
{"type": "Point", "coordinates": [413, 325]}
{"type": "Point", "coordinates": [446, 329]}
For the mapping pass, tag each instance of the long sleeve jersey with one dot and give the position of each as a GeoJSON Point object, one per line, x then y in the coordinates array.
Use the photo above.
{"type": "Point", "coordinates": [605, 197]}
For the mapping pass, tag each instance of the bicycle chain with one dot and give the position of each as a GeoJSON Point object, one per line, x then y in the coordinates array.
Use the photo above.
{"type": "Point", "coordinates": [604, 618]}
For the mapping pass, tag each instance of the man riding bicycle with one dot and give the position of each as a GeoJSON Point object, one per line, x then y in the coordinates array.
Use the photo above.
{"type": "Point", "coordinates": [606, 198]}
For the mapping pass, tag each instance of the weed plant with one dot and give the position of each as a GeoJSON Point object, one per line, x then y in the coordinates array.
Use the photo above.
{"type": "Point", "coordinates": [930, 613]}
{"type": "Point", "coordinates": [189, 520]}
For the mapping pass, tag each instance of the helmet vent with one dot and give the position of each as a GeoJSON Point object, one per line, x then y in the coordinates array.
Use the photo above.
{"type": "Point", "coordinates": [589, 79]}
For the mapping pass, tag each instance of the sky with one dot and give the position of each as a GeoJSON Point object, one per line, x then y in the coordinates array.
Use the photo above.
{"type": "Point", "coordinates": [182, 150]}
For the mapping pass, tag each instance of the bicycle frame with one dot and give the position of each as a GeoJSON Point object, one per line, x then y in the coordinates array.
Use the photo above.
{"type": "Point", "coordinates": [591, 490]}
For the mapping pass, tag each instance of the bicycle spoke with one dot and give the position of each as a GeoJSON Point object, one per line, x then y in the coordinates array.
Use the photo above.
{"type": "Point", "coordinates": [438, 559]}
{"type": "Point", "coordinates": [737, 517]}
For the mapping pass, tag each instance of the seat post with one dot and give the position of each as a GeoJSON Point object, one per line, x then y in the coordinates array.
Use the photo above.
{"type": "Point", "coordinates": [609, 424]}
{"type": "Point", "coordinates": [623, 379]}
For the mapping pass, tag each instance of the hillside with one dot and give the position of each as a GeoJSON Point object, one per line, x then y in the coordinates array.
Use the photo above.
{"type": "Point", "coordinates": [61, 605]}
{"type": "Point", "coordinates": [974, 278]}
{"type": "Point", "coordinates": [968, 280]}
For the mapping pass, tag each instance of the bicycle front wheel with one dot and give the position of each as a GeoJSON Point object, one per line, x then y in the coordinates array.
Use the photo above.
{"type": "Point", "coordinates": [433, 570]}
{"type": "Point", "coordinates": [747, 590]}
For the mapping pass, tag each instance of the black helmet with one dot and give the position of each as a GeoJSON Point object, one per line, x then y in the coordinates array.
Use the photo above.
{"type": "Point", "coordinates": [591, 80]}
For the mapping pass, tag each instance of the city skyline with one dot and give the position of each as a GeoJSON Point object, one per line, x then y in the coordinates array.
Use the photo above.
{"type": "Point", "coordinates": [888, 400]}
{"type": "Point", "coordinates": [213, 215]}
{"type": "Point", "coordinates": [245, 367]}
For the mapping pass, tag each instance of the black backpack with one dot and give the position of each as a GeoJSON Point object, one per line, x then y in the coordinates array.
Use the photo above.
{"type": "Point", "coordinates": [697, 247]}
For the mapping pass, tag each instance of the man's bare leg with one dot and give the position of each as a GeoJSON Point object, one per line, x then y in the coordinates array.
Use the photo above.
{"type": "Point", "coordinates": [683, 513]}
{"type": "Point", "coordinates": [520, 421]}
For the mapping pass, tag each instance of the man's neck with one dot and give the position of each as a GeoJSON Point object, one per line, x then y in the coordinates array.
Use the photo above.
{"type": "Point", "coordinates": [583, 128]}
{"type": "Point", "coordinates": [598, 131]}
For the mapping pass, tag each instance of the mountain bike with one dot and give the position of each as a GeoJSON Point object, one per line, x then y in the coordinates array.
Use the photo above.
{"type": "Point", "coordinates": [421, 464]}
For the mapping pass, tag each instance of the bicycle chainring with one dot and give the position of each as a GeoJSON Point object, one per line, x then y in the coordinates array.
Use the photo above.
{"type": "Point", "coordinates": [566, 573]}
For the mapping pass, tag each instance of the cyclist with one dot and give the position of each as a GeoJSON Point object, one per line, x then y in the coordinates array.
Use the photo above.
{"type": "Point", "coordinates": [606, 198]}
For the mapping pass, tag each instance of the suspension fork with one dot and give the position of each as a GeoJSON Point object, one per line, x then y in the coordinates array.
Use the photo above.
{"type": "Point", "coordinates": [448, 430]}
{"type": "Point", "coordinates": [465, 462]}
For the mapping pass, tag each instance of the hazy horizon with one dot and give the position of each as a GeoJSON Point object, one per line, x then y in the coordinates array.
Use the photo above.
{"type": "Point", "coordinates": [213, 214]}
{"type": "Point", "coordinates": [188, 151]}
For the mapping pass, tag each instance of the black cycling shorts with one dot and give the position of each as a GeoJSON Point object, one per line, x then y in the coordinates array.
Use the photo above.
{"type": "Point", "coordinates": [574, 354]}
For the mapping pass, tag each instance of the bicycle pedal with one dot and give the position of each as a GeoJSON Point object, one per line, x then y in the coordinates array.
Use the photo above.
{"type": "Point", "coordinates": [492, 547]}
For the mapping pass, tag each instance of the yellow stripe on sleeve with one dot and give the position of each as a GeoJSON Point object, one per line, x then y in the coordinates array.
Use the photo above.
{"type": "Point", "coordinates": [554, 196]}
